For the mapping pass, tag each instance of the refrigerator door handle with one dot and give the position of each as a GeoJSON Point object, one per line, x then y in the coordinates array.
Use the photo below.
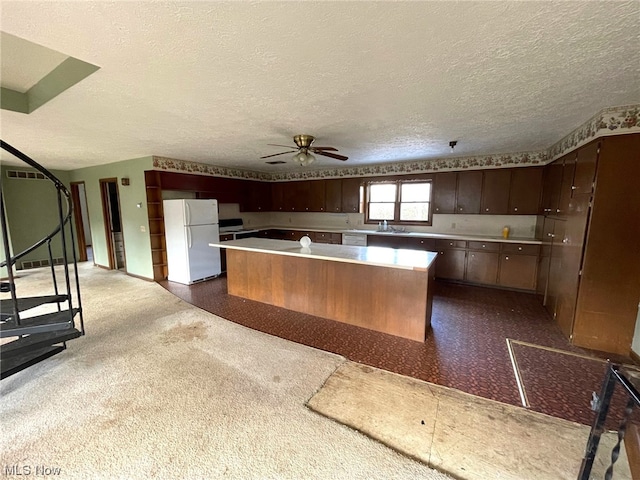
{"type": "Point", "coordinates": [188, 237]}
{"type": "Point", "coordinates": [188, 213]}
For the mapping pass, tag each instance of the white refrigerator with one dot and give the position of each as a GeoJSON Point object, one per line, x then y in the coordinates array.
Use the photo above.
{"type": "Point", "coordinates": [189, 227]}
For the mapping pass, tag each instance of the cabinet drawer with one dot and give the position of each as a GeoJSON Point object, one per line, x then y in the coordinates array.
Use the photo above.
{"type": "Point", "coordinates": [519, 248]}
{"type": "Point", "coordinates": [443, 243]}
{"type": "Point", "coordinates": [226, 237]}
{"type": "Point", "coordinates": [485, 246]}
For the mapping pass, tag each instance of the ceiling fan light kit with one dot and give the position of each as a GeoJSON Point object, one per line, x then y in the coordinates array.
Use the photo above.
{"type": "Point", "coordinates": [304, 155]}
{"type": "Point", "coordinates": [304, 158]}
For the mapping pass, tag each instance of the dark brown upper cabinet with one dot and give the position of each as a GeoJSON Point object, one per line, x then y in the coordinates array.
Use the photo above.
{"type": "Point", "coordinates": [317, 195]}
{"type": "Point", "coordinates": [469, 192]}
{"type": "Point", "coordinates": [495, 191]}
{"type": "Point", "coordinates": [351, 194]}
{"type": "Point", "coordinates": [525, 190]}
{"type": "Point", "coordinates": [333, 195]}
{"type": "Point", "coordinates": [296, 196]}
{"type": "Point", "coordinates": [444, 192]}
{"type": "Point", "coordinates": [566, 186]}
{"type": "Point", "coordinates": [583, 178]}
{"type": "Point", "coordinates": [551, 187]}
{"type": "Point", "coordinates": [277, 196]}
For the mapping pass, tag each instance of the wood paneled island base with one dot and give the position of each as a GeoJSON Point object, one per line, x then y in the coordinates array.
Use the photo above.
{"type": "Point", "coordinates": [382, 298]}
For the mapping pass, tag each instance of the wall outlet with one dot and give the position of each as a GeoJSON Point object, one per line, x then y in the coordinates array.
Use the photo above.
{"type": "Point", "coordinates": [143, 228]}
{"type": "Point", "coordinates": [453, 225]}
{"type": "Point", "coordinates": [289, 219]}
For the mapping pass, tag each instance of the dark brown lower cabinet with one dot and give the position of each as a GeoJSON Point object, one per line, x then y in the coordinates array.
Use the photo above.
{"type": "Point", "coordinates": [518, 271]}
{"type": "Point", "coordinates": [482, 267]}
{"type": "Point", "coordinates": [452, 256]}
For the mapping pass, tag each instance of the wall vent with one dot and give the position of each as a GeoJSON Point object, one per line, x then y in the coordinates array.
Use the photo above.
{"type": "Point", "coordinates": [25, 174]}
{"type": "Point", "coordinates": [40, 263]}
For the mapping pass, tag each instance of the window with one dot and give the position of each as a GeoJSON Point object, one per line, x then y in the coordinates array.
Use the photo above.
{"type": "Point", "coordinates": [399, 201]}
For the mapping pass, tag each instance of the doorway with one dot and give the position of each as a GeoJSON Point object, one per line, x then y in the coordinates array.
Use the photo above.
{"type": "Point", "coordinates": [112, 222]}
{"type": "Point", "coordinates": [81, 217]}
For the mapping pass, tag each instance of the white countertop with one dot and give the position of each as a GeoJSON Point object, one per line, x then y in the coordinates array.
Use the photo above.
{"type": "Point", "coordinates": [447, 236]}
{"type": "Point", "coordinates": [379, 256]}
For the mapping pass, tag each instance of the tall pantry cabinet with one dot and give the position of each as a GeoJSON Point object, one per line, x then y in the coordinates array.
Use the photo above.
{"type": "Point", "coordinates": [591, 269]}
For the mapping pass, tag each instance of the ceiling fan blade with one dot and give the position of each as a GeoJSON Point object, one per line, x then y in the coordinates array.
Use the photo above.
{"type": "Point", "coordinates": [276, 154]}
{"type": "Point", "coordinates": [285, 146]}
{"type": "Point", "coordinates": [333, 155]}
{"type": "Point", "coordinates": [325, 148]}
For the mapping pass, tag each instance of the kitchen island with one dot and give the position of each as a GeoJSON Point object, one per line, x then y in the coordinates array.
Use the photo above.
{"type": "Point", "coordinates": [383, 289]}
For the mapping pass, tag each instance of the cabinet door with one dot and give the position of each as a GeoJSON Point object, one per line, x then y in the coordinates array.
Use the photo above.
{"type": "Point", "coordinates": [545, 257]}
{"type": "Point", "coordinates": [316, 196]}
{"type": "Point", "coordinates": [518, 271]}
{"type": "Point", "coordinates": [450, 264]}
{"type": "Point", "coordinates": [277, 197]}
{"type": "Point", "coordinates": [495, 191]}
{"type": "Point", "coordinates": [257, 197]}
{"type": "Point", "coordinates": [444, 192]}
{"type": "Point", "coordinates": [482, 267]}
{"type": "Point", "coordinates": [566, 187]}
{"type": "Point", "coordinates": [551, 187]}
{"type": "Point", "coordinates": [333, 195]}
{"type": "Point", "coordinates": [584, 175]}
{"type": "Point", "coordinates": [555, 270]}
{"type": "Point", "coordinates": [296, 196]}
{"type": "Point", "coordinates": [469, 192]}
{"type": "Point", "coordinates": [351, 195]}
{"type": "Point", "coordinates": [525, 190]}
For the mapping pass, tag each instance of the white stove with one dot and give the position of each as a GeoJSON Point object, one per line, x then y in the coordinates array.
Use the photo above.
{"type": "Point", "coordinates": [235, 226]}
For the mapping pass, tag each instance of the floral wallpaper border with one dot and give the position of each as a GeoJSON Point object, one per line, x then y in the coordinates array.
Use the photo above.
{"type": "Point", "coordinates": [609, 121]}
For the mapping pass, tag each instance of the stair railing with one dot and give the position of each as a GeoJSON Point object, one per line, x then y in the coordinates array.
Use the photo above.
{"type": "Point", "coordinates": [64, 218]}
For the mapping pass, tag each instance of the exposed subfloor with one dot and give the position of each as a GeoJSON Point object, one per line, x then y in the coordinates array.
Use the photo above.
{"type": "Point", "coordinates": [466, 349]}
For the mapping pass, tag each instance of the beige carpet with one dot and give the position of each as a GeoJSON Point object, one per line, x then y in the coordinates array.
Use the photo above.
{"type": "Point", "coordinates": [161, 389]}
{"type": "Point", "coordinates": [466, 436]}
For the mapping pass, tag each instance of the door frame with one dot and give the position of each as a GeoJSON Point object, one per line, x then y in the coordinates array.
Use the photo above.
{"type": "Point", "coordinates": [106, 214]}
{"type": "Point", "coordinates": [77, 216]}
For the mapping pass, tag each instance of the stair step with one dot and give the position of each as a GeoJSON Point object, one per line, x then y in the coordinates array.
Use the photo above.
{"type": "Point", "coordinates": [27, 303]}
{"type": "Point", "coordinates": [20, 362]}
{"type": "Point", "coordinates": [49, 322]}
{"type": "Point", "coordinates": [36, 342]}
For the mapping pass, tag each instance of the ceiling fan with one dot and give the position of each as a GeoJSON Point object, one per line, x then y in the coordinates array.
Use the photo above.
{"type": "Point", "coordinates": [304, 156]}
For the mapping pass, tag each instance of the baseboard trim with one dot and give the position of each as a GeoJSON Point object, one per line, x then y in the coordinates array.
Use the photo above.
{"type": "Point", "coordinates": [147, 279]}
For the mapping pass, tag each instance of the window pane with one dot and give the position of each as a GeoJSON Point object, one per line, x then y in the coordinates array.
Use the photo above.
{"type": "Point", "coordinates": [381, 211]}
{"type": "Point", "coordinates": [416, 192]}
{"type": "Point", "coordinates": [414, 211]}
{"type": "Point", "coordinates": [382, 192]}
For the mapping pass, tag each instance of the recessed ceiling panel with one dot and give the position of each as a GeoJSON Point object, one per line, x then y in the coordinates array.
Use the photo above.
{"type": "Point", "coordinates": [25, 63]}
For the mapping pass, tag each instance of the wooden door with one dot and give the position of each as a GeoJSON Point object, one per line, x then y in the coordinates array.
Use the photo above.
{"type": "Point", "coordinates": [444, 192]}
{"type": "Point", "coordinates": [545, 258]}
{"type": "Point", "coordinates": [607, 304]}
{"type": "Point", "coordinates": [572, 248]}
{"type": "Point", "coordinates": [469, 192]}
{"type": "Point", "coordinates": [450, 264]}
{"type": "Point", "coordinates": [555, 271]}
{"type": "Point", "coordinates": [495, 191]}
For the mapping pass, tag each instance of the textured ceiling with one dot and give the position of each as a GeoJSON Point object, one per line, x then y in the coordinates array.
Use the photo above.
{"type": "Point", "coordinates": [215, 82]}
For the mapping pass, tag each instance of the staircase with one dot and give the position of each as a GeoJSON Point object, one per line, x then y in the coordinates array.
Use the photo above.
{"type": "Point", "coordinates": [36, 335]}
